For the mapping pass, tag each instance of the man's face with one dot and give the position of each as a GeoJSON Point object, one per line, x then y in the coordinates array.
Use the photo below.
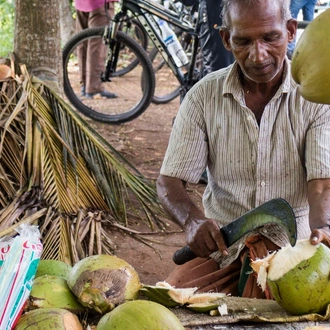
{"type": "Point", "coordinates": [258, 39]}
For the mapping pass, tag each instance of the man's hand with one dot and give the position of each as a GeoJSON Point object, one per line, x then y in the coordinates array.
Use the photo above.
{"type": "Point", "coordinates": [320, 235]}
{"type": "Point", "coordinates": [204, 237]}
{"type": "Point", "coordinates": [319, 210]}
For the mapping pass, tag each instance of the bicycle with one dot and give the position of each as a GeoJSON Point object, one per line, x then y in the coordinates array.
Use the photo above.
{"type": "Point", "coordinates": [131, 104]}
{"type": "Point", "coordinates": [167, 85]}
{"type": "Point", "coordinates": [121, 51]}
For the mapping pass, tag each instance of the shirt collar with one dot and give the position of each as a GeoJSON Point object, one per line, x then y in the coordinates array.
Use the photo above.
{"type": "Point", "coordinates": [232, 84]}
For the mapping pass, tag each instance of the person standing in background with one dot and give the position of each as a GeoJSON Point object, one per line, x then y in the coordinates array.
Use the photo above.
{"type": "Point", "coordinates": [215, 55]}
{"type": "Point", "coordinates": [91, 54]}
{"type": "Point", "coordinates": [308, 8]}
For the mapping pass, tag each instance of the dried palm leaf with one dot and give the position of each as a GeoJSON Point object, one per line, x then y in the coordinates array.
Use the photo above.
{"type": "Point", "coordinates": [54, 166]}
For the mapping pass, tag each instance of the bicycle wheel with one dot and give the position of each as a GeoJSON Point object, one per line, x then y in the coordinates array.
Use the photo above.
{"type": "Point", "coordinates": [134, 29]}
{"type": "Point", "coordinates": [134, 90]}
{"type": "Point", "coordinates": [167, 86]}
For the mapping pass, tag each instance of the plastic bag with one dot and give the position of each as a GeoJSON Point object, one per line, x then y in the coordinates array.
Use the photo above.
{"type": "Point", "coordinates": [19, 259]}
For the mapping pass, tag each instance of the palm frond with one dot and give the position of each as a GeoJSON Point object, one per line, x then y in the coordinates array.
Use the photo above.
{"type": "Point", "coordinates": [54, 165]}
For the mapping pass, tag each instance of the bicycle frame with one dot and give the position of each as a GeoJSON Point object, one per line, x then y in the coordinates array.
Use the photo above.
{"type": "Point", "coordinates": [144, 11]}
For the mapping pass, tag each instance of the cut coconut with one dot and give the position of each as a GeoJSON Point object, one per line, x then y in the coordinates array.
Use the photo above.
{"type": "Point", "coordinates": [158, 294]}
{"type": "Point", "coordinates": [167, 295]}
{"type": "Point", "coordinates": [101, 282]}
{"type": "Point", "coordinates": [298, 277]}
{"type": "Point", "coordinates": [260, 266]}
{"type": "Point", "coordinates": [203, 307]}
{"type": "Point", "coordinates": [205, 297]}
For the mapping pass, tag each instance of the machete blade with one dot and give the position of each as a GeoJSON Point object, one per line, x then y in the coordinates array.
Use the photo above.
{"type": "Point", "coordinates": [276, 211]}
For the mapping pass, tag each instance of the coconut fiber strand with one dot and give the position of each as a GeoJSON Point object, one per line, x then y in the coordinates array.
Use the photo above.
{"type": "Point", "coordinates": [246, 309]}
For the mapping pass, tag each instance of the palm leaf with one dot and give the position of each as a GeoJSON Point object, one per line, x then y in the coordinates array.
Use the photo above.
{"type": "Point", "coordinates": [59, 173]}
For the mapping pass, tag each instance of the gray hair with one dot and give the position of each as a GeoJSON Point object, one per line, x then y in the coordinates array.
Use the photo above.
{"type": "Point", "coordinates": [227, 4]}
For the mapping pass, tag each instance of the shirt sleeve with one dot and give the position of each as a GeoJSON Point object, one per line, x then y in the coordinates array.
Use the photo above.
{"type": "Point", "coordinates": [187, 151]}
{"type": "Point", "coordinates": [318, 143]}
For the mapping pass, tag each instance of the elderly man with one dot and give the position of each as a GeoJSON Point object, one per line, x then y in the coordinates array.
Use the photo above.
{"type": "Point", "coordinates": [259, 140]}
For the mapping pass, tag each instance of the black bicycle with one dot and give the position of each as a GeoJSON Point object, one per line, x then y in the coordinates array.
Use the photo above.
{"type": "Point", "coordinates": [167, 85]}
{"type": "Point", "coordinates": [134, 86]}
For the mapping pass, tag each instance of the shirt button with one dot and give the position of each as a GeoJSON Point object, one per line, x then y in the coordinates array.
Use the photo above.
{"type": "Point", "coordinates": [262, 183]}
{"type": "Point", "coordinates": [249, 118]}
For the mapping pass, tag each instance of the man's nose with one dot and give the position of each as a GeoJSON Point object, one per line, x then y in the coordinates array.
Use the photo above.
{"type": "Point", "coordinates": [257, 52]}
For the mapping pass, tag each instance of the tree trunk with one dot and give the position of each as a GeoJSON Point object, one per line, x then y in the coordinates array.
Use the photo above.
{"type": "Point", "coordinates": [67, 22]}
{"type": "Point", "coordinates": [37, 41]}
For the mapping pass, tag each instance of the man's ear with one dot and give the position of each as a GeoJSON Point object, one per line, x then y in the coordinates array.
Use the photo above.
{"type": "Point", "coordinates": [291, 26]}
{"type": "Point", "coordinates": [225, 35]}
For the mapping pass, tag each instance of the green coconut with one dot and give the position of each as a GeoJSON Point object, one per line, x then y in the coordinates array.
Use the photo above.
{"type": "Point", "coordinates": [49, 319]}
{"type": "Point", "coordinates": [53, 267]}
{"type": "Point", "coordinates": [50, 291]}
{"type": "Point", "coordinates": [298, 278]}
{"type": "Point", "coordinates": [310, 61]}
{"type": "Point", "coordinates": [140, 315]}
{"type": "Point", "coordinates": [101, 282]}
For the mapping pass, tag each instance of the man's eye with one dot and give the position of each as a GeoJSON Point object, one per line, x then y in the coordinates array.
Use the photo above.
{"type": "Point", "coordinates": [241, 42]}
{"type": "Point", "coordinates": [272, 38]}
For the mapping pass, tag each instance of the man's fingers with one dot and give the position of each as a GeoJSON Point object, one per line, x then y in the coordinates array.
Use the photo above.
{"type": "Point", "coordinates": [221, 245]}
{"type": "Point", "coordinates": [320, 235]}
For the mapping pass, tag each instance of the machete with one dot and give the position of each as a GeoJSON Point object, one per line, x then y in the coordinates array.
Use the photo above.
{"type": "Point", "coordinates": [276, 211]}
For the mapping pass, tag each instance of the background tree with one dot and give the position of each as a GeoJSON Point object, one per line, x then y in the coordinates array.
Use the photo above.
{"type": "Point", "coordinates": [37, 40]}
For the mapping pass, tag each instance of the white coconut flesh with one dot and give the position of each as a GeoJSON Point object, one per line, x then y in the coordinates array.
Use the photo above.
{"type": "Point", "coordinates": [298, 277]}
{"type": "Point", "coordinates": [180, 295]}
{"type": "Point", "coordinates": [289, 257]}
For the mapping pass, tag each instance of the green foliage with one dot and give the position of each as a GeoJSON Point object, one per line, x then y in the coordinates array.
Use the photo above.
{"type": "Point", "coordinates": [7, 10]}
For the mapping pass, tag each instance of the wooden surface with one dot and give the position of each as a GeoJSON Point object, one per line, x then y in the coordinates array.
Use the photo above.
{"type": "Point", "coordinates": [244, 313]}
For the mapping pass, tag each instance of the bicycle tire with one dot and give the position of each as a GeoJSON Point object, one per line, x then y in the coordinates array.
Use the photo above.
{"type": "Point", "coordinates": [135, 30]}
{"type": "Point", "coordinates": [135, 89]}
{"type": "Point", "coordinates": [167, 86]}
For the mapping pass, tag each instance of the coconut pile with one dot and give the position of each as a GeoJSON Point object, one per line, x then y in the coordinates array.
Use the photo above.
{"type": "Point", "coordinates": [103, 292]}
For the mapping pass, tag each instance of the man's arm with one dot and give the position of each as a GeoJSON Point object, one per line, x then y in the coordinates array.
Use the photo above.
{"type": "Point", "coordinates": [202, 234]}
{"type": "Point", "coordinates": [319, 213]}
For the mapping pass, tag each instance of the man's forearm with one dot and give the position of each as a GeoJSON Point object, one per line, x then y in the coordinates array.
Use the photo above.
{"type": "Point", "coordinates": [176, 201]}
{"type": "Point", "coordinates": [319, 203]}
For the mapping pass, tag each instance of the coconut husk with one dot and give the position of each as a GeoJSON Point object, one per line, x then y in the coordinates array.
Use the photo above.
{"type": "Point", "coordinates": [247, 310]}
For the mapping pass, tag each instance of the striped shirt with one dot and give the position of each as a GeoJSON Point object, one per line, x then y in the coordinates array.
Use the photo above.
{"type": "Point", "coordinates": [249, 164]}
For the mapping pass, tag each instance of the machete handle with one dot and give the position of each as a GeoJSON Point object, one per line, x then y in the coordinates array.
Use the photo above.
{"type": "Point", "coordinates": [183, 255]}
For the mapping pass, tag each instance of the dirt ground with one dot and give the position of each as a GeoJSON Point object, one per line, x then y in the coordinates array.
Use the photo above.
{"type": "Point", "coordinates": [143, 142]}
